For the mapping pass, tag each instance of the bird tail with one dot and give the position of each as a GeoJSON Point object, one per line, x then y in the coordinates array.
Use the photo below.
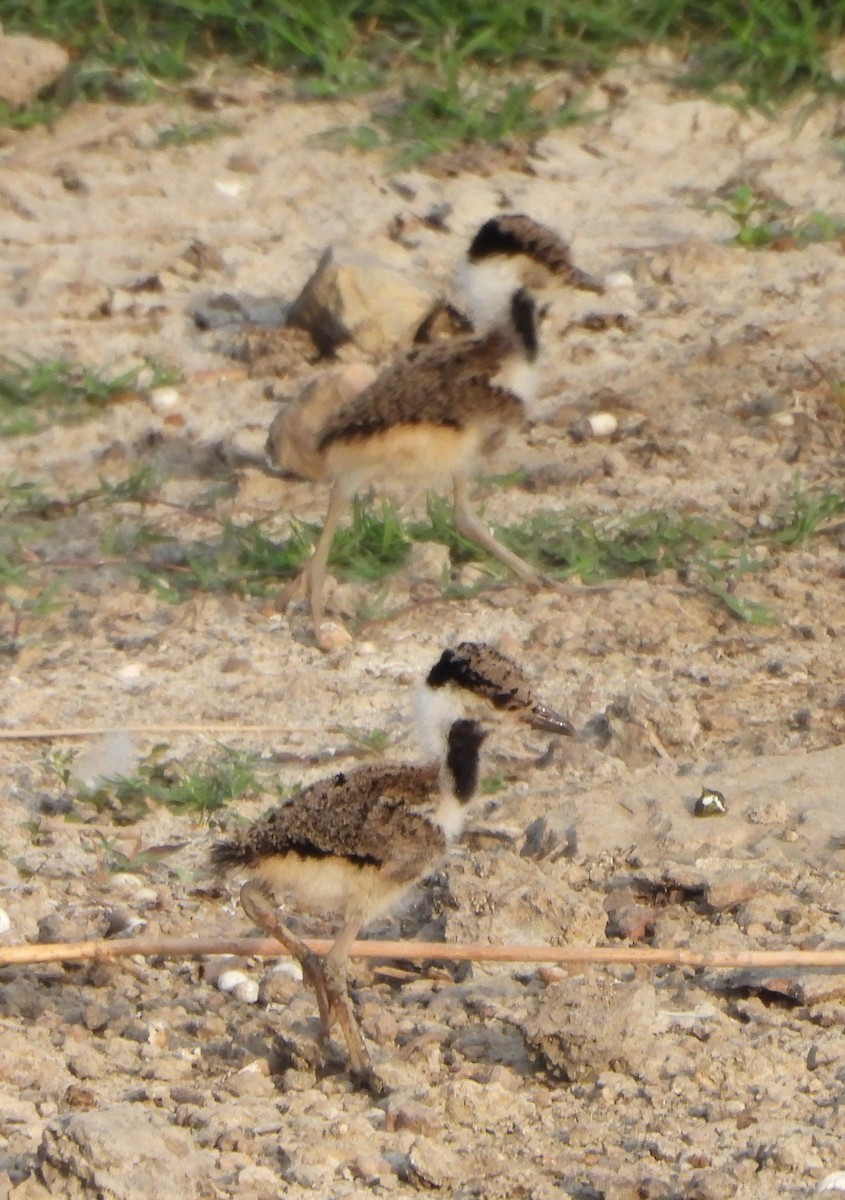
{"type": "Point", "coordinates": [225, 856]}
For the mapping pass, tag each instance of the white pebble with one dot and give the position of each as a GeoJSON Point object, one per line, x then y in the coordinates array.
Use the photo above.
{"type": "Point", "coordinates": [230, 187]}
{"type": "Point", "coordinates": [5, 921]}
{"type": "Point", "coordinates": [784, 419]}
{"type": "Point", "coordinates": [246, 992]}
{"type": "Point", "coordinates": [618, 279]}
{"type": "Point", "coordinates": [602, 424]}
{"type": "Point", "coordinates": [227, 981]}
{"type": "Point", "coordinates": [165, 399]}
{"type": "Point", "coordinates": [835, 1182]}
{"type": "Point", "coordinates": [289, 968]}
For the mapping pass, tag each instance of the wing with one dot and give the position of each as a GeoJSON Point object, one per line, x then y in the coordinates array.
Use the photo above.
{"type": "Point", "coordinates": [358, 815]}
{"type": "Point", "coordinates": [440, 384]}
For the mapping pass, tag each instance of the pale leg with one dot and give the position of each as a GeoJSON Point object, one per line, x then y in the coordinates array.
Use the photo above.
{"type": "Point", "coordinates": [311, 580]}
{"type": "Point", "coordinates": [470, 527]}
{"type": "Point", "coordinates": [340, 1008]}
{"type": "Point", "coordinates": [260, 906]}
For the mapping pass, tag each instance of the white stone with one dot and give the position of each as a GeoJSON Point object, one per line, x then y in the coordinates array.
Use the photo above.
{"type": "Point", "coordinates": [289, 968]}
{"type": "Point", "coordinates": [602, 424]}
{"type": "Point", "coordinates": [165, 399]}
{"type": "Point", "coordinates": [5, 921]}
{"type": "Point", "coordinates": [835, 1182]}
{"type": "Point", "coordinates": [246, 992]}
{"type": "Point", "coordinates": [618, 280]}
{"type": "Point", "coordinates": [230, 187]}
{"type": "Point", "coordinates": [229, 980]}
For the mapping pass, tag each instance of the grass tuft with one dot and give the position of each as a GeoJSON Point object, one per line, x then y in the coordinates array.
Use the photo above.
{"type": "Point", "coordinates": [248, 562]}
{"type": "Point", "coordinates": [37, 392]}
{"type": "Point", "coordinates": [750, 51]}
{"type": "Point", "coordinates": [770, 223]}
{"type": "Point", "coordinates": [193, 789]}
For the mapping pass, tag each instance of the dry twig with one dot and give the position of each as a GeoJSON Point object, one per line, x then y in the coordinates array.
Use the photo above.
{"type": "Point", "coordinates": [175, 947]}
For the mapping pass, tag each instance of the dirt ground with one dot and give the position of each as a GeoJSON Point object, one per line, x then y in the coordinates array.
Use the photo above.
{"type": "Point", "coordinates": [144, 1078]}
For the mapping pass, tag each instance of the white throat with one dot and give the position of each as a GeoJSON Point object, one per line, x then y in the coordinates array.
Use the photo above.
{"type": "Point", "coordinates": [488, 286]}
{"type": "Point", "coordinates": [435, 709]}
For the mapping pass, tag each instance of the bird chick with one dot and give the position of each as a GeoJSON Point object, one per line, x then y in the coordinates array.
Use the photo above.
{"type": "Point", "coordinates": [350, 847]}
{"type": "Point", "coordinates": [433, 416]}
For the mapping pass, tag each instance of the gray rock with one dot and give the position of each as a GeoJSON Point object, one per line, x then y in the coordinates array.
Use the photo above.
{"type": "Point", "coordinates": [122, 1152]}
{"type": "Point", "coordinates": [584, 1026]}
{"type": "Point", "coordinates": [432, 1164]}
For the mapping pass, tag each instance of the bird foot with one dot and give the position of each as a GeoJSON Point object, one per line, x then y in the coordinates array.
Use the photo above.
{"type": "Point", "coordinates": [293, 591]}
{"type": "Point", "coordinates": [367, 1080]}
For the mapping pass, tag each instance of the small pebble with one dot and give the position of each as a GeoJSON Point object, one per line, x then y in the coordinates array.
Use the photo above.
{"type": "Point", "coordinates": [246, 992]}
{"type": "Point", "coordinates": [835, 1182]}
{"type": "Point", "coordinates": [5, 921]}
{"type": "Point", "coordinates": [333, 636]}
{"type": "Point", "coordinates": [602, 424]}
{"type": "Point", "coordinates": [229, 980]}
{"type": "Point", "coordinates": [230, 187]}
{"type": "Point", "coordinates": [165, 399]}
{"type": "Point", "coordinates": [289, 968]}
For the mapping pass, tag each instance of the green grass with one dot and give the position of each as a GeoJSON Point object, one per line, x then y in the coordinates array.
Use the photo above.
{"type": "Point", "coordinates": [759, 51]}
{"type": "Point", "coordinates": [187, 789]}
{"type": "Point", "coordinates": [184, 133]}
{"type": "Point", "coordinates": [714, 556]}
{"type": "Point", "coordinates": [803, 514]}
{"type": "Point", "coordinates": [460, 105]}
{"type": "Point", "coordinates": [37, 392]}
{"type": "Point", "coordinates": [764, 223]}
{"type": "Point", "coordinates": [371, 742]}
{"type": "Point", "coordinates": [246, 561]}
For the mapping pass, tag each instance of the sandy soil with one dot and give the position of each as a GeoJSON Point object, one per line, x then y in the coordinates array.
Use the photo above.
{"type": "Point", "coordinates": [143, 1078]}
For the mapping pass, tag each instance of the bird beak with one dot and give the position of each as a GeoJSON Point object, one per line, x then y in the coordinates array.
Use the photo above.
{"type": "Point", "coordinates": [584, 282]}
{"type": "Point", "coordinates": [550, 721]}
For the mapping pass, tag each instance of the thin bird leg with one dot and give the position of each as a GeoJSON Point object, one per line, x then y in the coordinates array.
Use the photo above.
{"type": "Point", "coordinates": [259, 905]}
{"type": "Point", "coordinates": [340, 1008]}
{"type": "Point", "coordinates": [310, 581]}
{"type": "Point", "coordinates": [469, 525]}
{"type": "Point", "coordinates": [338, 501]}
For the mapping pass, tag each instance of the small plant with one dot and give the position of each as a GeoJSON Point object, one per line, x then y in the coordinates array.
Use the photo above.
{"type": "Point", "coordinates": [34, 392]}
{"type": "Point", "coordinates": [193, 790]}
{"type": "Point", "coordinates": [763, 223]}
{"type": "Point", "coordinates": [372, 742]}
{"type": "Point", "coordinates": [59, 762]}
{"type": "Point", "coordinates": [184, 133]}
{"type": "Point", "coordinates": [804, 514]}
{"type": "Point", "coordinates": [111, 860]}
{"type": "Point", "coordinates": [491, 785]}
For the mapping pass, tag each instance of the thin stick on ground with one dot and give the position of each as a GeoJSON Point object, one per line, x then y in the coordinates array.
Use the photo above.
{"type": "Point", "coordinates": [178, 948]}
{"type": "Point", "coordinates": [36, 734]}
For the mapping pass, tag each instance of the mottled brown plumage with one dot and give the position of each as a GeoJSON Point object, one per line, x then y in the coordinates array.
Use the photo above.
{"type": "Point", "coordinates": [371, 816]}
{"type": "Point", "coordinates": [446, 384]}
{"type": "Point", "coordinates": [430, 417]}
{"type": "Point", "coordinates": [351, 846]}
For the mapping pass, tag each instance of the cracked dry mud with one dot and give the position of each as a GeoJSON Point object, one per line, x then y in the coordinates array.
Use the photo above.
{"type": "Point", "coordinates": [142, 1078]}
